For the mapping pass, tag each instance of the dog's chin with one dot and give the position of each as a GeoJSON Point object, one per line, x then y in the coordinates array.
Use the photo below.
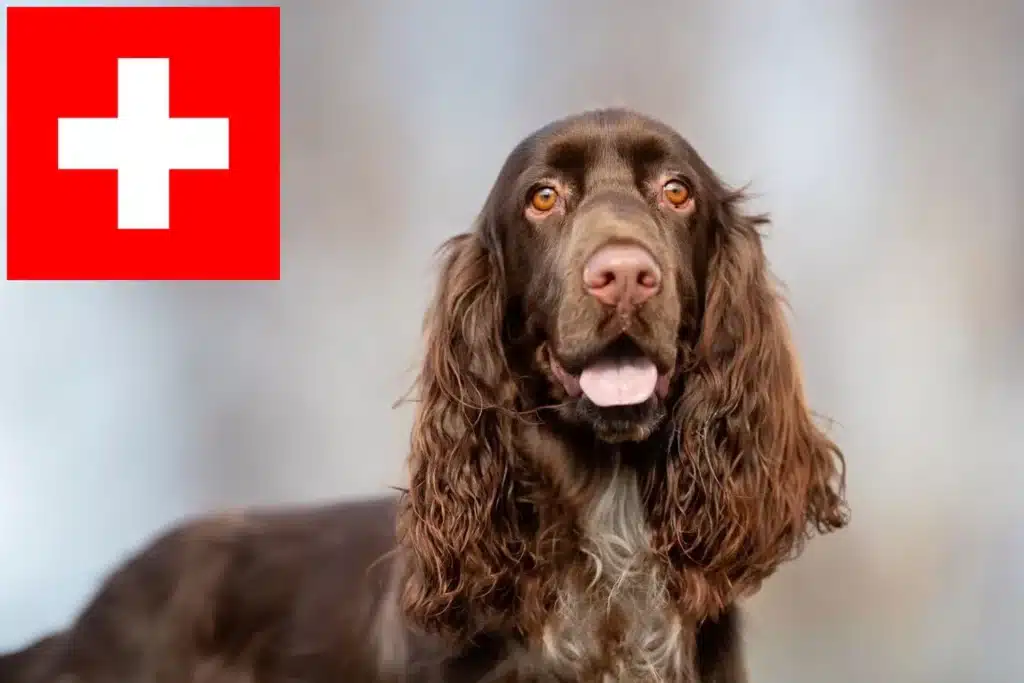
{"type": "Point", "coordinates": [619, 424]}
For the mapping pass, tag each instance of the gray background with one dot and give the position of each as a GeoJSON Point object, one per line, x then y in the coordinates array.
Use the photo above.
{"type": "Point", "coordinates": [886, 139]}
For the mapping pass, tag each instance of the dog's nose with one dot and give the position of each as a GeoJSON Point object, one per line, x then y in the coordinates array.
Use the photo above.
{"type": "Point", "coordinates": [621, 274]}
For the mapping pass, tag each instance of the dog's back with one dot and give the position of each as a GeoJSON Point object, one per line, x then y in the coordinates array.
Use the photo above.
{"type": "Point", "coordinates": [231, 597]}
{"type": "Point", "coordinates": [32, 663]}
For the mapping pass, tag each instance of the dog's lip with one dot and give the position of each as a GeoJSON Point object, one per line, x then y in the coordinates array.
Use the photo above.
{"type": "Point", "coordinates": [571, 381]}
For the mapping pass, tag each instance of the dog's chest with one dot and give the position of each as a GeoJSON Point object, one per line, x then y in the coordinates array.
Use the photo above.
{"type": "Point", "coordinates": [614, 622]}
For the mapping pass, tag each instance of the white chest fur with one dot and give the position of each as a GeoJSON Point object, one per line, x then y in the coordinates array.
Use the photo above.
{"type": "Point", "coordinates": [621, 597]}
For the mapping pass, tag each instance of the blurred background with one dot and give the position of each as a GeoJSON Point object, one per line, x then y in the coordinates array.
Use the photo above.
{"type": "Point", "coordinates": [886, 139]}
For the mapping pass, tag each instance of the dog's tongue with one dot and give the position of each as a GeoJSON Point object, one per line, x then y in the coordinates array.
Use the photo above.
{"type": "Point", "coordinates": [619, 382]}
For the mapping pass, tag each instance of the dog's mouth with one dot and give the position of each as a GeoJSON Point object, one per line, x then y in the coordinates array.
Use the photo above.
{"type": "Point", "coordinates": [620, 375]}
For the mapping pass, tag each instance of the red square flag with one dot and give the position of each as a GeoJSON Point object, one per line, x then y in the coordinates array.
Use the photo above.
{"type": "Point", "coordinates": [143, 143]}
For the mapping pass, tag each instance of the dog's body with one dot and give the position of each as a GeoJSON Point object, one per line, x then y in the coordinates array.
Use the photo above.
{"type": "Point", "coordinates": [281, 597]}
{"type": "Point", "coordinates": [611, 447]}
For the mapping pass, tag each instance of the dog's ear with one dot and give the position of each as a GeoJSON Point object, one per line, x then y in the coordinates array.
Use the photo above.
{"type": "Point", "coordinates": [754, 474]}
{"type": "Point", "coordinates": [457, 520]}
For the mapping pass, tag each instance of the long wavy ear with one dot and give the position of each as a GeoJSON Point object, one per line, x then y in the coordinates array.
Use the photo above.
{"type": "Point", "coordinates": [457, 521]}
{"type": "Point", "coordinates": [755, 476]}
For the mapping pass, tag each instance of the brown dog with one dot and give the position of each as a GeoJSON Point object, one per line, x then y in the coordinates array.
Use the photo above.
{"type": "Point", "coordinates": [611, 447]}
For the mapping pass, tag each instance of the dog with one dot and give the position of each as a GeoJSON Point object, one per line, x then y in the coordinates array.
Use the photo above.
{"type": "Point", "coordinates": [611, 448]}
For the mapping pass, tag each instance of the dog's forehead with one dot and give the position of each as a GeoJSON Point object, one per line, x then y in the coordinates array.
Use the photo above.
{"type": "Point", "coordinates": [585, 140]}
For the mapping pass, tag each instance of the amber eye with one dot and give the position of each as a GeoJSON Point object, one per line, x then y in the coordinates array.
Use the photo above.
{"type": "Point", "coordinates": [544, 199]}
{"type": "Point", "coordinates": [676, 192]}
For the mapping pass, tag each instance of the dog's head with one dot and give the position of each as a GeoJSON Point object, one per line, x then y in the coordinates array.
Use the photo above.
{"type": "Point", "coordinates": [612, 287]}
{"type": "Point", "coordinates": [603, 224]}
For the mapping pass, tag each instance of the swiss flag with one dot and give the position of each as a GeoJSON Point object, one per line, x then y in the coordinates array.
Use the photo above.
{"type": "Point", "coordinates": [143, 143]}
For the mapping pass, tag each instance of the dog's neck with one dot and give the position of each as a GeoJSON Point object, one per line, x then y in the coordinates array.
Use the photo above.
{"type": "Point", "coordinates": [614, 620]}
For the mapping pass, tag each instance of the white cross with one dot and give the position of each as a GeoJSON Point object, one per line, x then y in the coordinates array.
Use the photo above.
{"type": "Point", "coordinates": [143, 143]}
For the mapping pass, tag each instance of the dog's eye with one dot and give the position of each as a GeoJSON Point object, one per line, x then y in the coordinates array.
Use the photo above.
{"type": "Point", "coordinates": [544, 199]}
{"type": "Point", "coordinates": [676, 192]}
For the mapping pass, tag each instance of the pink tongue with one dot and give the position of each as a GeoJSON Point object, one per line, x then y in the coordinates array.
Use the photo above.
{"type": "Point", "coordinates": [619, 383]}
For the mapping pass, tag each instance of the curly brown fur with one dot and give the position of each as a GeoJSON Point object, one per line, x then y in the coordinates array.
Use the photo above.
{"type": "Point", "coordinates": [753, 474]}
{"type": "Point", "coordinates": [548, 533]}
{"type": "Point", "coordinates": [735, 474]}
